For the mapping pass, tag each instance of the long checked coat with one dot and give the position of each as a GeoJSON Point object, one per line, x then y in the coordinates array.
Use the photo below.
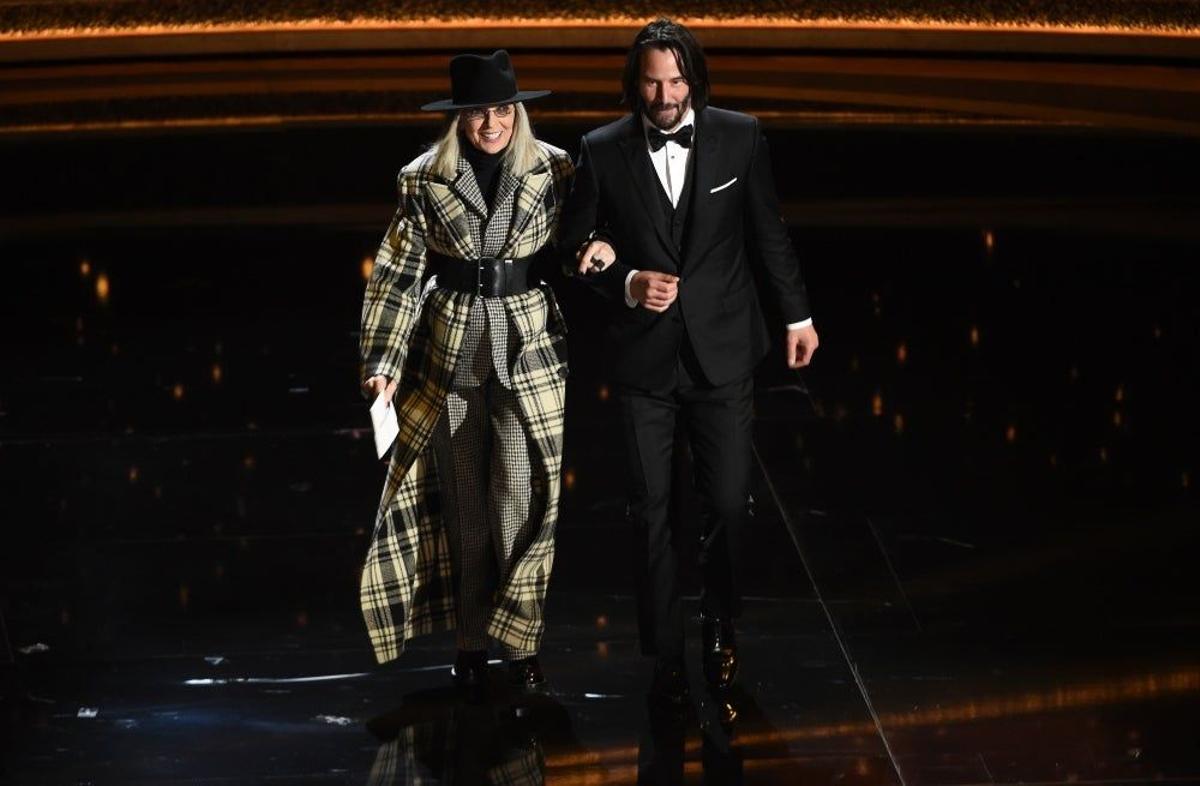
{"type": "Point", "coordinates": [412, 332]}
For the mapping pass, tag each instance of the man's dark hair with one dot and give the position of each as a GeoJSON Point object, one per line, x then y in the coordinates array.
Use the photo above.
{"type": "Point", "coordinates": [673, 37]}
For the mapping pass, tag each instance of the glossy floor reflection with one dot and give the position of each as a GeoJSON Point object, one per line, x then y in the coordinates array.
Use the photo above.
{"type": "Point", "coordinates": [973, 533]}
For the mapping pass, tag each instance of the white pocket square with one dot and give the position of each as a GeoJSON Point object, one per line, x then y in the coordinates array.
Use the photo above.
{"type": "Point", "coordinates": [722, 187]}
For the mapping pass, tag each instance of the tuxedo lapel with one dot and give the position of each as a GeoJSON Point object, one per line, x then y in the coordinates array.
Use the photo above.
{"type": "Point", "coordinates": [705, 162]}
{"type": "Point", "coordinates": [645, 181]}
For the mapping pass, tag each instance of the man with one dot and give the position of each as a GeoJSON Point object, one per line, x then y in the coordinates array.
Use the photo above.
{"type": "Point", "coordinates": [668, 208]}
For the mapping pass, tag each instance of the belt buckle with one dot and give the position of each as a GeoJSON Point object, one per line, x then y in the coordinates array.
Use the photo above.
{"type": "Point", "coordinates": [493, 284]}
{"type": "Point", "coordinates": [479, 276]}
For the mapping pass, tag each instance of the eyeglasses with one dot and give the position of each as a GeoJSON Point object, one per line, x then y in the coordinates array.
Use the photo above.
{"type": "Point", "coordinates": [479, 113]}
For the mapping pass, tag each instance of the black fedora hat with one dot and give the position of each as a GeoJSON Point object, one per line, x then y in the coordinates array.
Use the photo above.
{"type": "Point", "coordinates": [478, 80]}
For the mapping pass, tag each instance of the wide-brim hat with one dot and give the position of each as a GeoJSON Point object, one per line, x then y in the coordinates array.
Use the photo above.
{"type": "Point", "coordinates": [479, 80]}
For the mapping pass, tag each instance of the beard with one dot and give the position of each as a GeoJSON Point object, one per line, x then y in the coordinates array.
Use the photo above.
{"type": "Point", "coordinates": [665, 116]}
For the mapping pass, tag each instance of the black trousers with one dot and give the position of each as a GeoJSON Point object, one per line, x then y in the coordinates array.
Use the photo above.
{"type": "Point", "coordinates": [716, 422]}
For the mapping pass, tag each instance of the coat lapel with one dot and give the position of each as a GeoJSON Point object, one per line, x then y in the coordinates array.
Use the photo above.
{"type": "Point", "coordinates": [645, 181]}
{"type": "Point", "coordinates": [467, 188]}
{"type": "Point", "coordinates": [450, 202]}
{"type": "Point", "coordinates": [705, 162]}
{"type": "Point", "coordinates": [529, 190]}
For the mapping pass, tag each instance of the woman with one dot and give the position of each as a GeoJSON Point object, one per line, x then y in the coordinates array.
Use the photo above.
{"type": "Point", "coordinates": [471, 350]}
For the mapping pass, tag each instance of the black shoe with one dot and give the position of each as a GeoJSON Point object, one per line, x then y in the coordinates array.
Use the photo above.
{"type": "Point", "coordinates": [726, 714]}
{"type": "Point", "coordinates": [526, 674]}
{"type": "Point", "coordinates": [670, 681]}
{"type": "Point", "coordinates": [469, 674]}
{"type": "Point", "coordinates": [718, 651]}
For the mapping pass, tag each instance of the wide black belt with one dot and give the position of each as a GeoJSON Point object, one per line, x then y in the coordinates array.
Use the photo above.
{"type": "Point", "coordinates": [487, 276]}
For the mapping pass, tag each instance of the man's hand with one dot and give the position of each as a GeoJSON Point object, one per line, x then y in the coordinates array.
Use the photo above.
{"type": "Point", "coordinates": [596, 252]}
{"type": "Point", "coordinates": [801, 344]}
{"type": "Point", "coordinates": [655, 291]}
{"type": "Point", "coordinates": [379, 384]}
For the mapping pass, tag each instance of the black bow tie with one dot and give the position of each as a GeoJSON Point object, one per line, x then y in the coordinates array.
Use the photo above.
{"type": "Point", "coordinates": [682, 137]}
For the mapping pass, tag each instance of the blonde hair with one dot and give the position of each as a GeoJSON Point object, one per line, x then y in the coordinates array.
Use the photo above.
{"type": "Point", "coordinates": [521, 156]}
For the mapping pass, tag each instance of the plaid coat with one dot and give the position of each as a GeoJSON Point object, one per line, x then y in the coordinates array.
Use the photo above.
{"type": "Point", "coordinates": [412, 332]}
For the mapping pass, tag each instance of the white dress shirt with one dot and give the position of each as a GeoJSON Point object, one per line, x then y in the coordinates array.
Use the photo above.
{"type": "Point", "coordinates": [670, 164]}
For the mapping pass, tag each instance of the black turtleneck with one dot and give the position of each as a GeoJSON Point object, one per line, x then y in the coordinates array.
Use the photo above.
{"type": "Point", "coordinates": [486, 167]}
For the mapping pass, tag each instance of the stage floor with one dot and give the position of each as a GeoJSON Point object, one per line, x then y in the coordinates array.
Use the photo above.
{"type": "Point", "coordinates": [971, 554]}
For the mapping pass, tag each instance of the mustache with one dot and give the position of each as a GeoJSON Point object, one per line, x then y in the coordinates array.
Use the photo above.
{"type": "Point", "coordinates": [658, 107]}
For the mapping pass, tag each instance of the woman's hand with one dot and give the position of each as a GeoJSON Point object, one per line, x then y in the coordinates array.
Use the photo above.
{"type": "Point", "coordinates": [595, 257]}
{"type": "Point", "coordinates": [379, 384]}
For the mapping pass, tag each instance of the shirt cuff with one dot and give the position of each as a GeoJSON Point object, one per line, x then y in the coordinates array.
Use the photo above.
{"type": "Point", "coordinates": [630, 300]}
{"type": "Point", "coordinates": [797, 325]}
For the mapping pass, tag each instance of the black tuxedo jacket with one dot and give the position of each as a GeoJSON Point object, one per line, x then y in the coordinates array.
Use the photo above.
{"type": "Point", "coordinates": [734, 218]}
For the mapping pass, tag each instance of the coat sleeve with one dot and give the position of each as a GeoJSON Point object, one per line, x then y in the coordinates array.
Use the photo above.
{"type": "Point", "coordinates": [770, 237]}
{"type": "Point", "coordinates": [583, 219]}
{"type": "Point", "coordinates": [562, 170]}
{"type": "Point", "coordinates": [392, 299]}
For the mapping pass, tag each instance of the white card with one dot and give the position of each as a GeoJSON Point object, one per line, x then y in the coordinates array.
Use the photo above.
{"type": "Point", "coordinates": [383, 421]}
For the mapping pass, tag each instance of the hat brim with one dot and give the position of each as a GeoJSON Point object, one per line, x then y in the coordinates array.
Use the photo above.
{"type": "Point", "coordinates": [448, 105]}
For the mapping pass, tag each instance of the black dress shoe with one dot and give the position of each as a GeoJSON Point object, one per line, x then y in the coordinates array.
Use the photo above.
{"type": "Point", "coordinates": [469, 673]}
{"type": "Point", "coordinates": [670, 681]}
{"type": "Point", "coordinates": [726, 714]}
{"type": "Point", "coordinates": [719, 651]}
{"type": "Point", "coordinates": [526, 674]}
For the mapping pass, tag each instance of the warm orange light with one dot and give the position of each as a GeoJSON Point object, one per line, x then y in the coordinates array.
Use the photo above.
{"type": "Point", "coordinates": [603, 393]}
{"type": "Point", "coordinates": [602, 649]}
{"type": "Point", "coordinates": [1010, 434]}
{"type": "Point", "coordinates": [102, 287]}
{"type": "Point", "coordinates": [1104, 455]}
{"type": "Point", "coordinates": [974, 335]}
{"type": "Point", "coordinates": [1059, 699]}
{"type": "Point", "coordinates": [877, 404]}
{"type": "Point", "coordinates": [133, 474]}
{"type": "Point", "coordinates": [1117, 418]}
{"type": "Point", "coordinates": [85, 268]}
{"type": "Point", "coordinates": [367, 267]}
{"type": "Point", "coordinates": [989, 240]}
{"type": "Point", "coordinates": [902, 353]}
{"type": "Point", "coordinates": [569, 479]}
{"type": "Point", "coordinates": [1119, 395]}
{"type": "Point", "coordinates": [177, 392]}
{"type": "Point", "coordinates": [898, 423]}
{"type": "Point", "coordinates": [217, 373]}
{"type": "Point", "coordinates": [602, 621]}
{"type": "Point", "coordinates": [248, 461]}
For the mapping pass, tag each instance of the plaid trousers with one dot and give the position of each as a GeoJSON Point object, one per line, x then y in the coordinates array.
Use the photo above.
{"type": "Point", "coordinates": [492, 516]}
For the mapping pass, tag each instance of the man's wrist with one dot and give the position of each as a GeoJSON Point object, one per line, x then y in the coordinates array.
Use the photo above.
{"type": "Point", "coordinates": [630, 300]}
{"type": "Point", "coordinates": [800, 325]}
